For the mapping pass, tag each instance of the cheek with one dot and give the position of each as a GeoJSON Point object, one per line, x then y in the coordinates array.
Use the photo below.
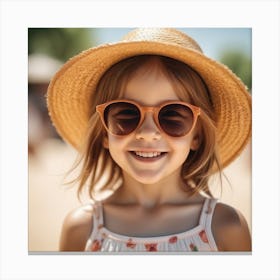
{"type": "Point", "coordinates": [183, 151]}
{"type": "Point", "coordinates": [182, 144]}
{"type": "Point", "coordinates": [118, 150]}
{"type": "Point", "coordinates": [113, 140]}
{"type": "Point", "coordinates": [116, 145]}
{"type": "Point", "coordinates": [182, 148]}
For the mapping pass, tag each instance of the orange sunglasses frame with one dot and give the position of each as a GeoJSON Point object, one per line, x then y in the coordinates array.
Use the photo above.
{"type": "Point", "coordinates": [144, 109]}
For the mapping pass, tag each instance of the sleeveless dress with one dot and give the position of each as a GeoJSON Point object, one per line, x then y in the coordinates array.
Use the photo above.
{"type": "Point", "coordinates": [199, 238]}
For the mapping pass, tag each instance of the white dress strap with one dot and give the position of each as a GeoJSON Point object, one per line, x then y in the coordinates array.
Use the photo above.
{"type": "Point", "coordinates": [206, 220]}
{"type": "Point", "coordinates": [97, 220]}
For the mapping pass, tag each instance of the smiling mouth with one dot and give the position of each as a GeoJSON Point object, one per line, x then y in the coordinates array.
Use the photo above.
{"type": "Point", "coordinates": [147, 155]}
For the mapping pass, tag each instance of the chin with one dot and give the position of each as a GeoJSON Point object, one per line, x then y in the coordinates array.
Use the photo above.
{"type": "Point", "coordinates": [147, 178]}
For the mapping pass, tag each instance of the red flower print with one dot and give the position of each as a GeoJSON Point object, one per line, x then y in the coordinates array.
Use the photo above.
{"type": "Point", "coordinates": [173, 239]}
{"type": "Point", "coordinates": [193, 247]}
{"type": "Point", "coordinates": [203, 236]}
{"type": "Point", "coordinates": [151, 247]}
{"type": "Point", "coordinates": [96, 246]}
{"type": "Point", "coordinates": [130, 244]}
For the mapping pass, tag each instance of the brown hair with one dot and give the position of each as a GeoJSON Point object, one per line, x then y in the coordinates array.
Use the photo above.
{"type": "Point", "coordinates": [100, 172]}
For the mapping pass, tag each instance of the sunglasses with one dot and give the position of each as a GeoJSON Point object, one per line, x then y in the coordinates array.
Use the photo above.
{"type": "Point", "coordinates": [122, 117]}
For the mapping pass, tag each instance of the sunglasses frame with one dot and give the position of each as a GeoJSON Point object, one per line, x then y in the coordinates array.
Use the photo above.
{"type": "Point", "coordinates": [144, 109]}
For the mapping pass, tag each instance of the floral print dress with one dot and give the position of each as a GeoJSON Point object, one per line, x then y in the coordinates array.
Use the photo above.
{"type": "Point", "coordinates": [199, 238]}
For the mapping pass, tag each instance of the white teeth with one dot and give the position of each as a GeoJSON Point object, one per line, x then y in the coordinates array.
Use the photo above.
{"type": "Point", "coordinates": [148, 154]}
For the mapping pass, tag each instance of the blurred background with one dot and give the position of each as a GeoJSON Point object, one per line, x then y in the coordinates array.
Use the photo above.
{"type": "Point", "coordinates": [50, 158]}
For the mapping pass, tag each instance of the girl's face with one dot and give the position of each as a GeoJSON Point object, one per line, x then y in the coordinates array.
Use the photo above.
{"type": "Point", "coordinates": [150, 87]}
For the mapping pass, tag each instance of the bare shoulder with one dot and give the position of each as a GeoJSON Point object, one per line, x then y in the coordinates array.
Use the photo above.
{"type": "Point", "coordinates": [230, 229]}
{"type": "Point", "coordinates": [76, 229]}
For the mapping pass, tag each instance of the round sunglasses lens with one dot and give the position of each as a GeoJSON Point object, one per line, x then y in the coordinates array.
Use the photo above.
{"type": "Point", "coordinates": [121, 118]}
{"type": "Point", "coordinates": [176, 119]}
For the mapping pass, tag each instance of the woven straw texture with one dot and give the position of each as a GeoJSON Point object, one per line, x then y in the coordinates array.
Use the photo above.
{"type": "Point", "coordinates": [70, 90]}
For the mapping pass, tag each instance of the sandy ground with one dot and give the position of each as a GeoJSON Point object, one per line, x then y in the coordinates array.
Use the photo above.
{"type": "Point", "coordinates": [50, 200]}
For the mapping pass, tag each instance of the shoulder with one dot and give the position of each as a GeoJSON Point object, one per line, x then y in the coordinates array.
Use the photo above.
{"type": "Point", "coordinates": [76, 229]}
{"type": "Point", "coordinates": [230, 229]}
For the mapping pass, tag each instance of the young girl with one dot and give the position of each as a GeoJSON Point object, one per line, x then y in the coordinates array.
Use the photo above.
{"type": "Point", "coordinates": [153, 119]}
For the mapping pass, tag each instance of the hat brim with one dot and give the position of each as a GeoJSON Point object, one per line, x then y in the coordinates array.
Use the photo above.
{"type": "Point", "coordinates": [71, 88]}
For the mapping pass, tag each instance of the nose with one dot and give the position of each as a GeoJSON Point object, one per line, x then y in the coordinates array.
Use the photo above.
{"type": "Point", "coordinates": [148, 129]}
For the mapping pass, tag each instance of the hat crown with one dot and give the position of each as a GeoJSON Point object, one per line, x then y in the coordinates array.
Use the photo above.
{"type": "Point", "coordinates": [162, 35]}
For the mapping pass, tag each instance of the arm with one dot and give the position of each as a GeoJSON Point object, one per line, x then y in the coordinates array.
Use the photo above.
{"type": "Point", "coordinates": [76, 229]}
{"type": "Point", "coordinates": [230, 229]}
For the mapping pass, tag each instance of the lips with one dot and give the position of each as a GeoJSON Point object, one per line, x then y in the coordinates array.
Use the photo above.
{"type": "Point", "coordinates": [147, 156]}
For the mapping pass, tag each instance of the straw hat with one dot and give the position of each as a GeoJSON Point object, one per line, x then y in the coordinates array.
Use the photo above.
{"type": "Point", "coordinates": [70, 89]}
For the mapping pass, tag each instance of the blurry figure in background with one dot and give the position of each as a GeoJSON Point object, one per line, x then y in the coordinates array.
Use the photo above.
{"type": "Point", "coordinates": [47, 49]}
{"type": "Point", "coordinates": [154, 119]}
{"type": "Point", "coordinates": [40, 70]}
{"type": "Point", "coordinates": [49, 157]}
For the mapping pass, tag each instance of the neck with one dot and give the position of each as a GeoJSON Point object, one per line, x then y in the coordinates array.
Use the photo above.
{"type": "Point", "coordinates": [166, 191]}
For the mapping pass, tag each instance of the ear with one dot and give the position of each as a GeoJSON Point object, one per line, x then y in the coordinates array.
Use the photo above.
{"type": "Point", "coordinates": [195, 143]}
{"type": "Point", "coordinates": [105, 142]}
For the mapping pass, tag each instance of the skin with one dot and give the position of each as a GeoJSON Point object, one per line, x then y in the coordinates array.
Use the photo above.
{"type": "Point", "coordinates": [229, 227]}
{"type": "Point", "coordinates": [151, 200]}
